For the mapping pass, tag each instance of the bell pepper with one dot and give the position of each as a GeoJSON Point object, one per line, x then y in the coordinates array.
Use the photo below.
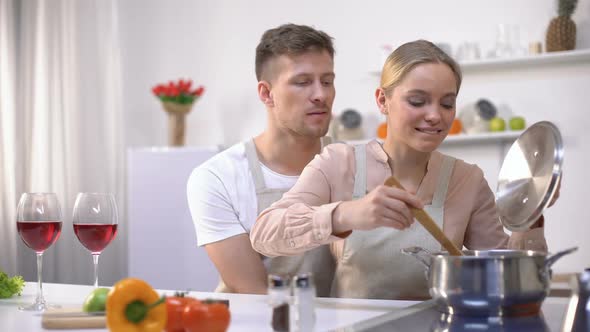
{"type": "Point", "coordinates": [133, 305]}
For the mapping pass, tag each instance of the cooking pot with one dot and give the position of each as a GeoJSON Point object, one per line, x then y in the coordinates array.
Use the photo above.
{"type": "Point", "coordinates": [488, 282]}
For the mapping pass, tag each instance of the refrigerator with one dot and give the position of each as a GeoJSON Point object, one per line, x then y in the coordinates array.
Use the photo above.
{"type": "Point", "coordinates": [162, 244]}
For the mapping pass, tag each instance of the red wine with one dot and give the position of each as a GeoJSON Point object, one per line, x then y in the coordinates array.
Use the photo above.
{"type": "Point", "coordinates": [95, 237]}
{"type": "Point", "coordinates": [39, 235]}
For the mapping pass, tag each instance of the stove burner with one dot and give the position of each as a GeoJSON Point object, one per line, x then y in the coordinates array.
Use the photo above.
{"type": "Point", "coordinates": [427, 316]}
{"type": "Point", "coordinates": [515, 310]}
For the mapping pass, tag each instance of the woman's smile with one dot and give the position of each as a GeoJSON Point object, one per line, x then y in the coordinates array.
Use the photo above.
{"type": "Point", "coordinates": [429, 130]}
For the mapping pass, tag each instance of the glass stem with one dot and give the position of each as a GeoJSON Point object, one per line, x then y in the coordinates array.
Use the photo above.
{"type": "Point", "coordinates": [39, 276]}
{"type": "Point", "coordinates": [95, 261]}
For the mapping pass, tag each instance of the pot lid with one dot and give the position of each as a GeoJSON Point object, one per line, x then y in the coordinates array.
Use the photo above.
{"type": "Point", "coordinates": [529, 176]}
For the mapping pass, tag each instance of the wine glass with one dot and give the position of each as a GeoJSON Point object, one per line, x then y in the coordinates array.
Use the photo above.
{"type": "Point", "coordinates": [95, 223]}
{"type": "Point", "coordinates": [38, 221]}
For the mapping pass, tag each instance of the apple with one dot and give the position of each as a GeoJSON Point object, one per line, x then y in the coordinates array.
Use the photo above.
{"type": "Point", "coordinates": [516, 123]}
{"type": "Point", "coordinates": [497, 124]}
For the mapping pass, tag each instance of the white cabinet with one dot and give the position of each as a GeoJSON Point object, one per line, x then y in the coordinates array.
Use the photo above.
{"type": "Point", "coordinates": [161, 237]}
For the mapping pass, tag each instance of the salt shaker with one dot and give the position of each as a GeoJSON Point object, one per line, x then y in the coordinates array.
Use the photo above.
{"type": "Point", "coordinates": [278, 294]}
{"type": "Point", "coordinates": [304, 294]}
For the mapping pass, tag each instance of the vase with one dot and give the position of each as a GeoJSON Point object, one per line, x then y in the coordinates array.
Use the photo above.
{"type": "Point", "coordinates": [176, 121]}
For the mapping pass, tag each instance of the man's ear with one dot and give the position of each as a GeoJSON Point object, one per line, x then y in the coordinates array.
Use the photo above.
{"type": "Point", "coordinates": [265, 93]}
{"type": "Point", "coordinates": [381, 100]}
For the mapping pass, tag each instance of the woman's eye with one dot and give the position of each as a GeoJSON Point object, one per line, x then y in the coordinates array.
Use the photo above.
{"type": "Point", "coordinates": [448, 106]}
{"type": "Point", "coordinates": [416, 102]}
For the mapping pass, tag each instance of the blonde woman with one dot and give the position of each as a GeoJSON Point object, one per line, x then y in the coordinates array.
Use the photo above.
{"type": "Point", "coordinates": [340, 199]}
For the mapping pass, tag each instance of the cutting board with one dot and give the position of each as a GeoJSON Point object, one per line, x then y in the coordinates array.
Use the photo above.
{"type": "Point", "coordinates": [71, 318]}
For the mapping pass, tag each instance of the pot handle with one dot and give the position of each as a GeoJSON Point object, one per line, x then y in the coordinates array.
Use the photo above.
{"type": "Point", "coordinates": [553, 258]}
{"type": "Point", "coordinates": [420, 254]}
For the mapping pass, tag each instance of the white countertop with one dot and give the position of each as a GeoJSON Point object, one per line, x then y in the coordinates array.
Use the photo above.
{"type": "Point", "coordinates": [248, 312]}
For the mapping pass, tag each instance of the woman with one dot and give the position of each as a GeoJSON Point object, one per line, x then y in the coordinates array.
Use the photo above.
{"type": "Point", "coordinates": [340, 194]}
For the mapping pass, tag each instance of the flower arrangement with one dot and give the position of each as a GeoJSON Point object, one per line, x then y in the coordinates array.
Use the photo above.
{"type": "Point", "coordinates": [178, 92]}
{"type": "Point", "coordinates": [177, 100]}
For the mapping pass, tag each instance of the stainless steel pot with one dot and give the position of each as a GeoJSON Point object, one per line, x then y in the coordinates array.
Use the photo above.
{"type": "Point", "coordinates": [488, 282]}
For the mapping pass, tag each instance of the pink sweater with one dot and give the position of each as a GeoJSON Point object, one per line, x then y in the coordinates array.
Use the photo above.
{"type": "Point", "coordinates": [302, 219]}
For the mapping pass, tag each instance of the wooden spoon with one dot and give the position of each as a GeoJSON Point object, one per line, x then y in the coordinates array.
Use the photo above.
{"type": "Point", "coordinates": [428, 223]}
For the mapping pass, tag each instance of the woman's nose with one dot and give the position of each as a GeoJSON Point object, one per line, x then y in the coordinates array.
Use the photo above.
{"type": "Point", "coordinates": [433, 114]}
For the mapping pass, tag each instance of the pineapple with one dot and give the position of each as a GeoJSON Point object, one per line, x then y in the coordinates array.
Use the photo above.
{"type": "Point", "coordinates": [561, 33]}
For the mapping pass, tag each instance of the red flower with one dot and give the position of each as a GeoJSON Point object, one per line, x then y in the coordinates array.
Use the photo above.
{"type": "Point", "coordinates": [178, 92]}
{"type": "Point", "coordinates": [199, 91]}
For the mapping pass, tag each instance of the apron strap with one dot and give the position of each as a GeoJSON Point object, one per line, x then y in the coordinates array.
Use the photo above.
{"type": "Point", "coordinates": [360, 176]}
{"type": "Point", "coordinates": [254, 162]}
{"type": "Point", "coordinates": [446, 170]}
{"type": "Point", "coordinates": [254, 165]}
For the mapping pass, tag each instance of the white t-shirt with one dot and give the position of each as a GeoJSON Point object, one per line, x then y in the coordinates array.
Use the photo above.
{"type": "Point", "coordinates": [222, 197]}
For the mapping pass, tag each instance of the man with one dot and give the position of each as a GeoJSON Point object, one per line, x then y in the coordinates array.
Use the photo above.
{"type": "Point", "coordinates": [295, 72]}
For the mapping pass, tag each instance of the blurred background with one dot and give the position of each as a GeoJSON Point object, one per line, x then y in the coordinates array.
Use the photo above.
{"type": "Point", "coordinates": [76, 105]}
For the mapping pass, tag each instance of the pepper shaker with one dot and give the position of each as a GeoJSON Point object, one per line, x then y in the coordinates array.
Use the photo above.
{"type": "Point", "coordinates": [304, 294]}
{"type": "Point", "coordinates": [278, 294]}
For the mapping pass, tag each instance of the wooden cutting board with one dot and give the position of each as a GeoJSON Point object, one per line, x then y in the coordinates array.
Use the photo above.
{"type": "Point", "coordinates": [71, 318]}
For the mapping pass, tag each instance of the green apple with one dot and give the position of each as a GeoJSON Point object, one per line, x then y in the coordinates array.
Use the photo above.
{"type": "Point", "coordinates": [497, 124]}
{"type": "Point", "coordinates": [516, 123]}
{"type": "Point", "coordinates": [96, 300]}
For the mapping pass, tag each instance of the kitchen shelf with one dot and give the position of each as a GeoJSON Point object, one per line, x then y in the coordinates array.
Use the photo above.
{"type": "Point", "coordinates": [552, 58]}
{"type": "Point", "coordinates": [529, 60]}
{"type": "Point", "coordinates": [499, 137]}
{"type": "Point", "coordinates": [504, 136]}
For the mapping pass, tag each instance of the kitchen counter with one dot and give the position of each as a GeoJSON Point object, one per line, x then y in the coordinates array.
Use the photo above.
{"type": "Point", "coordinates": [249, 312]}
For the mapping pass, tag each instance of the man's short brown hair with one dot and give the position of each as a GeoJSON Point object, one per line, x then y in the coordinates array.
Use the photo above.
{"type": "Point", "coordinates": [290, 39]}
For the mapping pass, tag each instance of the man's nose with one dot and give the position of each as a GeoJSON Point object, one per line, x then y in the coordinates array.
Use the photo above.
{"type": "Point", "coordinates": [319, 92]}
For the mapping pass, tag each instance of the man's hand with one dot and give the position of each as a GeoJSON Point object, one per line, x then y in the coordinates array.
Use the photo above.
{"type": "Point", "coordinates": [383, 207]}
{"type": "Point", "coordinates": [238, 264]}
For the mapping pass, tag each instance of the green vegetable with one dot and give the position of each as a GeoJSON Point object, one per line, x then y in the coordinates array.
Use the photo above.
{"type": "Point", "coordinates": [96, 300]}
{"type": "Point", "coordinates": [10, 286]}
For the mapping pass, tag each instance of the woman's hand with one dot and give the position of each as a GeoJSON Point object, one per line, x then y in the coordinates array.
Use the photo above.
{"type": "Point", "coordinates": [383, 207]}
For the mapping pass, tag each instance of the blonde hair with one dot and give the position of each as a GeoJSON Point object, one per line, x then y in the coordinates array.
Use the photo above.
{"type": "Point", "coordinates": [409, 55]}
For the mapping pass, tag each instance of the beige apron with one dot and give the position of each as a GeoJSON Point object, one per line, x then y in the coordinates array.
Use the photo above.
{"type": "Point", "coordinates": [319, 261]}
{"type": "Point", "coordinates": [361, 272]}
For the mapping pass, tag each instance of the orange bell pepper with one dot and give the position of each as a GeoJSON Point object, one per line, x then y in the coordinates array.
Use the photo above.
{"type": "Point", "coordinates": [134, 306]}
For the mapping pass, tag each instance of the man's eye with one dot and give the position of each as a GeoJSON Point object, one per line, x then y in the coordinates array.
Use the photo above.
{"type": "Point", "coordinates": [328, 83]}
{"type": "Point", "coordinates": [448, 106]}
{"type": "Point", "coordinates": [302, 82]}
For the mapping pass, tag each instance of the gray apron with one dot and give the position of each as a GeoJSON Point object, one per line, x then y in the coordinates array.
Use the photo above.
{"type": "Point", "coordinates": [372, 265]}
{"type": "Point", "coordinates": [318, 261]}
